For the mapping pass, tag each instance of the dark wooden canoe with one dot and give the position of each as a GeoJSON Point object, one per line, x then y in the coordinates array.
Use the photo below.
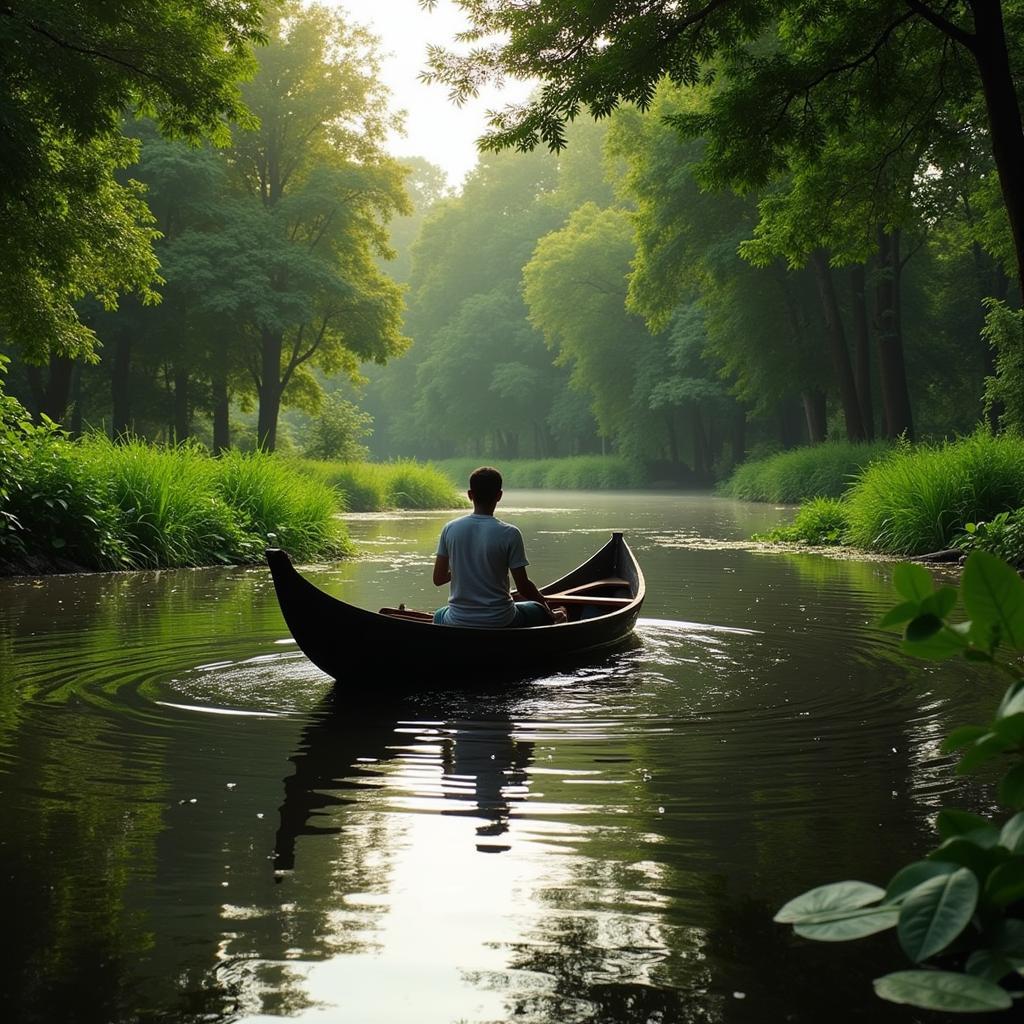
{"type": "Point", "coordinates": [602, 599]}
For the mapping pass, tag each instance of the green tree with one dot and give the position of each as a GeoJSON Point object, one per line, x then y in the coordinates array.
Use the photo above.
{"type": "Point", "coordinates": [70, 228]}
{"type": "Point", "coordinates": [773, 61]}
{"type": "Point", "coordinates": [317, 193]}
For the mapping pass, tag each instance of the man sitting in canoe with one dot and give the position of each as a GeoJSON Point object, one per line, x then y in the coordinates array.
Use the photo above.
{"type": "Point", "coordinates": [475, 554]}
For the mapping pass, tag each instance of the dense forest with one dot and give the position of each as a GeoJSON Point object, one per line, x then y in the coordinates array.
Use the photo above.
{"type": "Point", "coordinates": [796, 237]}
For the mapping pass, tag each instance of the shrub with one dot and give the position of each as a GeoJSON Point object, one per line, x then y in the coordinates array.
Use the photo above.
{"type": "Point", "coordinates": [575, 473]}
{"type": "Point", "coordinates": [1002, 536]}
{"type": "Point", "coordinates": [921, 496]}
{"type": "Point", "coordinates": [815, 471]}
{"type": "Point", "coordinates": [372, 486]}
{"type": "Point", "coordinates": [820, 521]}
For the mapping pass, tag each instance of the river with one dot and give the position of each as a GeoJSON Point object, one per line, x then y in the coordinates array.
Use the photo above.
{"type": "Point", "coordinates": [195, 825]}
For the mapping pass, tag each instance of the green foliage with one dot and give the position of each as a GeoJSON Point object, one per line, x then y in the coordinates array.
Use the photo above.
{"type": "Point", "coordinates": [578, 473]}
{"type": "Point", "coordinates": [100, 505]}
{"type": "Point", "coordinates": [337, 431]}
{"type": "Point", "coordinates": [824, 470]}
{"type": "Point", "coordinates": [819, 521]}
{"type": "Point", "coordinates": [71, 225]}
{"type": "Point", "coordinates": [955, 913]}
{"type": "Point", "coordinates": [1002, 536]}
{"type": "Point", "coordinates": [374, 487]}
{"type": "Point", "coordinates": [1004, 393]}
{"type": "Point", "coordinates": [920, 497]}
{"type": "Point", "coordinates": [268, 496]}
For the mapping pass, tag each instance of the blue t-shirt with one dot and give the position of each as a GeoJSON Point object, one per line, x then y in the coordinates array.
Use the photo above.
{"type": "Point", "coordinates": [480, 551]}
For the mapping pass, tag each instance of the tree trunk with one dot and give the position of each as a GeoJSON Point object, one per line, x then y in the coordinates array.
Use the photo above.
{"type": "Point", "coordinates": [891, 366]}
{"type": "Point", "coordinates": [988, 46]}
{"type": "Point", "coordinates": [700, 443]}
{"type": "Point", "coordinates": [862, 348]}
{"type": "Point", "coordinates": [182, 417]}
{"type": "Point", "coordinates": [816, 415]}
{"type": "Point", "coordinates": [269, 390]}
{"type": "Point", "coordinates": [221, 405]}
{"type": "Point", "coordinates": [837, 346]}
{"type": "Point", "coordinates": [120, 390]}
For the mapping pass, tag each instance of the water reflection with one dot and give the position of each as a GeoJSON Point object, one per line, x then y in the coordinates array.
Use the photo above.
{"type": "Point", "coordinates": [195, 826]}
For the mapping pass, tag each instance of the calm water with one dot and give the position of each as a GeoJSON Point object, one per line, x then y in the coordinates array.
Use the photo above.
{"type": "Point", "coordinates": [196, 826]}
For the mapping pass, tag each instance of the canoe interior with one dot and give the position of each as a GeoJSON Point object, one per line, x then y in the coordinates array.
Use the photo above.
{"type": "Point", "coordinates": [337, 636]}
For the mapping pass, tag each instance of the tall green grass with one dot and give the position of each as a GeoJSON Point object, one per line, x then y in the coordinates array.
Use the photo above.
{"type": "Point", "coordinates": [374, 486]}
{"type": "Point", "coordinates": [815, 471]}
{"type": "Point", "coordinates": [102, 505]}
{"type": "Point", "coordinates": [578, 473]}
{"type": "Point", "coordinates": [919, 498]}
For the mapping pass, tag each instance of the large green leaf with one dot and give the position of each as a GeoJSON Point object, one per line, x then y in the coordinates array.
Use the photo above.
{"type": "Point", "coordinates": [963, 736]}
{"type": "Point", "coordinates": [953, 822]}
{"type": "Point", "coordinates": [946, 643]}
{"type": "Point", "coordinates": [1011, 787]}
{"type": "Point", "coordinates": [994, 596]}
{"type": "Point", "coordinates": [941, 602]}
{"type": "Point", "coordinates": [1012, 834]}
{"type": "Point", "coordinates": [844, 925]}
{"type": "Point", "coordinates": [912, 581]}
{"type": "Point", "coordinates": [836, 896]}
{"type": "Point", "coordinates": [1006, 883]}
{"type": "Point", "coordinates": [981, 752]}
{"type": "Point", "coordinates": [910, 877]}
{"type": "Point", "coordinates": [943, 990]}
{"type": "Point", "coordinates": [987, 963]}
{"type": "Point", "coordinates": [901, 613]}
{"type": "Point", "coordinates": [936, 912]}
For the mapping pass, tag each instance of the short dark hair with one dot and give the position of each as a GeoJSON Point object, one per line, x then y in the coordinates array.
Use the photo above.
{"type": "Point", "coordinates": [485, 483]}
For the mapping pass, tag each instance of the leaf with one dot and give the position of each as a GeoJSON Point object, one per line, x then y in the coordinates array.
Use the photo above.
{"type": "Point", "coordinates": [988, 747]}
{"type": "Point", "coordinates": [994, 595]}
{"type": "Point", "coordinates": [1006, 883]}
{"type": "Point", "coordinates": [1011, 787]}
{"type": "Point", "coordinates": [963, 736]}
{"type": "Point", "coordinates": [912, 581]}
{"type": "Point", "coordinates": [1008, 937]}
{"type": "Point", "coordinates": [922, 627]}
{"type": "Point", "coordinates": [943, 990]}
{"type": "Point", "coordinates": [1010, 728]}
{"type": "Point", "coordinates": [936, 913]}
{"type": "Point", "coordinates": [1012, 702]}
{"type": "Point", "coordinates": [963, 851]}
{"type": "Point", "coordinates": [987, 963]}
{"type": "Point", "coordinates": [850, 924]}
{"type": "Point", "coordinates": [1012, 836]}
{"type": "Point", "coordinates": [946, 643]}
{"type": "Point", "coordinates": [911, 876]}
{"type": "Point", "coordinates": [941, 602]}
{"type": "Point", "coordinates": [836, 896]}
{"type": "Point", "coordinates": [952, 822]}
{"type": "Point", "coordinates": [901, 613]}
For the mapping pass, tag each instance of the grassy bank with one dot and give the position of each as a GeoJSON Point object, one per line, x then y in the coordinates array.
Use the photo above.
{"type": "Point", "coordinates": [375, 486]}
{"type": "Point", "coordinates": [92, 504]}
{"type": "Point", "coordinates": [921, 498]}
{"type": "Point", "coordinates": [578, 473]}
{"type": "Point", "coordinates": [916, 499]}
{"type": "Point", "coordinates": [816, 471]}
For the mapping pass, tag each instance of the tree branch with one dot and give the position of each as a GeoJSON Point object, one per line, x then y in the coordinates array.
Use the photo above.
{"type": "Point", "coordinates": [943, 24]}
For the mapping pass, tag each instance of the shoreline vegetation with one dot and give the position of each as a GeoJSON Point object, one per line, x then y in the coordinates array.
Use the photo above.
{"type": "Point", "coordinates": [93, 504]}
{"type": "Point", "coordinates": [905, 500]}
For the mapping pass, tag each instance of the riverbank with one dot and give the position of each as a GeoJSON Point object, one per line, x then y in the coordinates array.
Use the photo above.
{"type": "Point", "coordinates": [384, 486]}
{"type": "Point", "coordinates": [966, 494]}
{"type": "Point", "coordinates": [573, 473]}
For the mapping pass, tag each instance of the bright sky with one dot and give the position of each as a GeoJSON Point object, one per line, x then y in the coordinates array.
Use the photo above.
{"type": "Point", "coordinates": [435, 128]}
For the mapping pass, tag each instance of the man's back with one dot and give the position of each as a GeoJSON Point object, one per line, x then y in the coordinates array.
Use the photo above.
{"type": "Point", "coordinates": [481, 550]}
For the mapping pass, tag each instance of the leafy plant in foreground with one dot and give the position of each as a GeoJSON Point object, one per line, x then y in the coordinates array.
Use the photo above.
{"type": "Point", "coordinates": [959, 913]}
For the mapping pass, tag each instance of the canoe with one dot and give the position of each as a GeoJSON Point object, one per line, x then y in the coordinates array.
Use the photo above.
{"type": "Point", "coordinates": [602, 599]}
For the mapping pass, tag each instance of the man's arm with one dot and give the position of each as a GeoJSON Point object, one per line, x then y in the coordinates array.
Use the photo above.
{"type": "Point", "coordinates": [442, 570]}
{"type": "Point", "coordinates": [526, 588]}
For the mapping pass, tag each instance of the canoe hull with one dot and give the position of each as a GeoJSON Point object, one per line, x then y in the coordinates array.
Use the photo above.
{"type": "Point", "coordinates": [336, 636]}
